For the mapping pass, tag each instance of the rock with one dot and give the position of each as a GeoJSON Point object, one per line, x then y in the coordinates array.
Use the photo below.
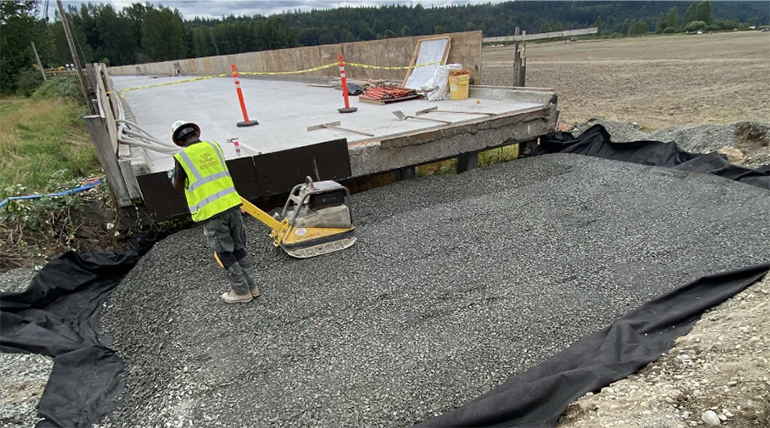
{"type": "Point", "coordinates": [722, 417]}
{"type": "Point", "coordinates": [733, 155]}
{"type": "Point", "coordinates": [686, 415]}
{"type": "Point", "coordinates": [710, 418]}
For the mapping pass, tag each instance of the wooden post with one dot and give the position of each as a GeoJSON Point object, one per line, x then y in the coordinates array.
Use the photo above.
{"type": "Point", "coordinates": [39, 64]}
{"type": "Point", "coordinates": [516, 60]}
{"type": "Point", "coordinates": [73, 51]}
{"type": "Point", "coordinates": [108, 159]}
{"type": "Point", "coordinates": [523, 62]}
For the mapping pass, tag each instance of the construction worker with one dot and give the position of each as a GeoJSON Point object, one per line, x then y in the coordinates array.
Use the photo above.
{"type": "Point", "coordinates": [201, 173]}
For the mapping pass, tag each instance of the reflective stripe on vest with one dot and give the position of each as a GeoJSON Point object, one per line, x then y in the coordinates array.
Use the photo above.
{"type": "Point", "coordinates": [212, 198]}
{"type": "Point", "coordinates": [194, 170]}
{"type": "Point", "coordinates": [209, 189]}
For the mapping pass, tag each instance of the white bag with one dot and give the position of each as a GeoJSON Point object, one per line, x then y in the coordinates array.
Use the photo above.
{"type": "Point", "coordinates": [437, 87]}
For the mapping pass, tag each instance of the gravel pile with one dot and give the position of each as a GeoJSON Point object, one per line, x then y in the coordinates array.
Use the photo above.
{"type": "Point", "coordinates": [22, 376]}
{"type": "Point", "coordinates": [457, 284]}
{"type": "Point", "coordinates": [751, 138]}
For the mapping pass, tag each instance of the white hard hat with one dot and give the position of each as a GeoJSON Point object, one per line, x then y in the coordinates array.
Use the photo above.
{"type": "Point", "coordinates": [182, 124]}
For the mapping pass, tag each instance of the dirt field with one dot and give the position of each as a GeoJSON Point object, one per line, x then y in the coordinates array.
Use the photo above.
{"type": "Point", "coordinates": [654, 81]}
{"type": "Point", "coordinates": [719, 374]}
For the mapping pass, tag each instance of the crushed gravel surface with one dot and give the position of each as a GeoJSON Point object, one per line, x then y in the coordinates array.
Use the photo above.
{"type": "Point", "coordinates": [22, 376]}
{"type": "Point", "coordinates": [457, 284]}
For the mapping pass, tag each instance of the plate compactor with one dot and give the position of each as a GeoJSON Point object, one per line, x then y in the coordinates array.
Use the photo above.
{"type": "Point", "coordinates": [315, 220]}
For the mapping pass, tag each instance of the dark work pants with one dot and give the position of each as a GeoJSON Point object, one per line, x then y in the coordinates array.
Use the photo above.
{"type": "Point", "coordinates": [226, 236]}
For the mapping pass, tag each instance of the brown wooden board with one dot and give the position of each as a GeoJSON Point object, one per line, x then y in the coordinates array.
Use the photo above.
{"type": "Point", "coordinates": [278, 172]}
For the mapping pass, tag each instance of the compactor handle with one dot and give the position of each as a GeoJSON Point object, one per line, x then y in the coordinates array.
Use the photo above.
{"type": "Point", "coordinates": [262, 216]}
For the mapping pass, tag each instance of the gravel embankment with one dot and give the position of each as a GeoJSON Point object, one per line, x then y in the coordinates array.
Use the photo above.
{"type": "Point", "coordinates": [457, 284]}
{"type": "Point", "coordinates": [22, 376]}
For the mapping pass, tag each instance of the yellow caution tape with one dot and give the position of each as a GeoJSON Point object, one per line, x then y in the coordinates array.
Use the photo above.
{"type": "Point", "coordinates": [405, 67]}
{"type": "Point", "coordinates": [176, 82]}
{"type": "Point", "coordinates": [275, 73]}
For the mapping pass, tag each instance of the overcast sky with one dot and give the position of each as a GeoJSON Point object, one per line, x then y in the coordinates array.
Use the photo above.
{"type": "Point", "coordinates": [220, 8]}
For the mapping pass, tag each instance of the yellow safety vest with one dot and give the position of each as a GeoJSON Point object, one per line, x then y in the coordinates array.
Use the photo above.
{"type": "Point", "coordinates": [209, 188]}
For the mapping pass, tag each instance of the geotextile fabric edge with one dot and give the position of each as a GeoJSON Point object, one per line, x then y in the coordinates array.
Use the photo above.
{"type": "Point", "coordinates": [537, 397]}
{"type": "Point", "coordinates": [58, 315]}
{"type": "Point", "coordinates": [596, 142]}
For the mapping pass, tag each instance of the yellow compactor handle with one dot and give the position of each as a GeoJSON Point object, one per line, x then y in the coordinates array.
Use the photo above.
{"type": "Point", "coordinates": [262, 216]}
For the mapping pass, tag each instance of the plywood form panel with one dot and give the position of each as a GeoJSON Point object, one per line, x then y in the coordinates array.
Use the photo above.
{"type": "Point", "coordinates": [465, 50]}
{"type": "Point", "coordinates": [329, 54]}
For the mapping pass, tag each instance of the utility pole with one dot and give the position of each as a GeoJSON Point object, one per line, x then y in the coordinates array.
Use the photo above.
{"type": "Point", "coordinates": [75, 58]}
{"type": "Point", "coordinates": [37, 58]}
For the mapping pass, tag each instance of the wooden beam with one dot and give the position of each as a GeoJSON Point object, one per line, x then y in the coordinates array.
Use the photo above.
{"type": "Point", "coordinates": [537, 36]}
{"type": "Point", "coordinates": [108, 158]}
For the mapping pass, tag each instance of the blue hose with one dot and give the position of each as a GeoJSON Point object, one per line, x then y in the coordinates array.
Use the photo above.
{"type": "Point", "coordinates": [66, 192]}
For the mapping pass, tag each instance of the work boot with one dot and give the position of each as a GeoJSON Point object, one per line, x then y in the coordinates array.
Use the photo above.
{"type": "Point", "coordinates": [231, 297]}
{"type": "Point", "coordinates": [255, 292]}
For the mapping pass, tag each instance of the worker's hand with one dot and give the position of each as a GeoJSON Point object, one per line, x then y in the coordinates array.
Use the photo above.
{"type": "Point", "coordinates": [170, 174]}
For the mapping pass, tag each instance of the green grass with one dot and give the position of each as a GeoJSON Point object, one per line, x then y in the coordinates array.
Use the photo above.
{"type": "Point", "coordinates": [44, 145]}
{"type": "Point", "coordinates": [502, 154]}
{"type": "Point", "coordinates": [486, 158]}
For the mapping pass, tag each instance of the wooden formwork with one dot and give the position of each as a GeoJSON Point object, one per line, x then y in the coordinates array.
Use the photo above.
{"type": "Point", "coordinates": [396, 52]}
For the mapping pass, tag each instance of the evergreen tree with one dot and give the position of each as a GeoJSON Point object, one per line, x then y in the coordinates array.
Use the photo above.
{"type": "Point", "coordinates": [691, 14]}
{"type": "Point", "coordinates": [17, 19]}
{"type": "Point", "coordinates": [672, 19]}
{"type": "Point", "coordinates": [116, 35]}
{"type": "Point", "coordinates": [163, 35]}
{"type": "Point", "coordinates": [660, 24]}
{"type": "Point", "coordinates": [632, 27]}
{"type": "Point", "coordinates": [704, 12]}
{"type": "Point", "coordinates": [642, 28]}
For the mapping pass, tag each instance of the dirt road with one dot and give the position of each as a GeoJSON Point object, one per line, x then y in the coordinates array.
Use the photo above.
{"type": "Point", "coordinates": [654, 81]}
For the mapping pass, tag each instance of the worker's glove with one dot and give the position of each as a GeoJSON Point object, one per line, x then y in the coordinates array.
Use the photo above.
{"type": "Point", "coordinates": [170, 174]}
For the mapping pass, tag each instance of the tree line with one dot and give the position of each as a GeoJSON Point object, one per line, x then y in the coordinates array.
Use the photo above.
{"type": "Point", "coordinates": [141, 33]}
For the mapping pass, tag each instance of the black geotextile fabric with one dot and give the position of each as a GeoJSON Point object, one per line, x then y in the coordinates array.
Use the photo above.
{"type": "Point", "coordinates": [596, 142]}
{"type": "Point", "coordinates": [58, 315]}
{"type": "Point", "coordinates": [537, 397]}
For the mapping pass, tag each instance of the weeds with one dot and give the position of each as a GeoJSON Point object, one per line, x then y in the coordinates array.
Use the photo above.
{"type": "Point", "coordinates": [486, 158]}
{"type": "Point", "coordinates": [41, 138]}
{"type": "Point", "coordinates": [44, 148]}
{"type": "Point", "coordinates": [33, 228]}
